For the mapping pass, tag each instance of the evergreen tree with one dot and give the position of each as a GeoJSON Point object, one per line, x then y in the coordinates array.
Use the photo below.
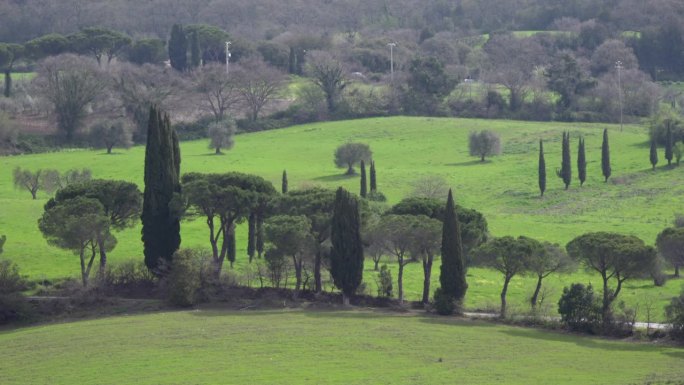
{"type": "Point", "coordinates": [260, 235]}
{"type": "Point", "coordinates": [581, 162]}
{"type": "Point", "coordinates": [160, 219]}
{"type": "Point", "coordinates": [542, 168]}
{"type": "Point", "coordinates": [346, 254]}
{"type": "Point", "coordinates": [364, 186]}
{"type": "Point", "coordinates": [230, 255]}
{"type": "Point", "coordinates": [669, 142]}
{"type": "Point", "coordinates": [654, 154]}
{"type": "Point", "coordinates": [178, 48]}
{"type": "Point", "coordinates": [195, 52]}
{"type": "Point", "coordinates": [605, 156]}
{"type": "Point", "coordinates": [251, 236]}
{"type": "Point", "coordinates": [452, 272]}
{"type": "Point", "coordinates": [284, 182]}
{"type": "Point", "coordinates": [565, 171]}
{"type": "Point", "coordinates": [373, 181]}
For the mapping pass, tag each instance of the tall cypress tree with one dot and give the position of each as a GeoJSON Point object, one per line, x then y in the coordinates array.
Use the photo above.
{"type": "Point", "coordinates": [668, 146]}
{"type": "Point", "coordinates": [346, 254]}
{"type": "Point", "coordinates": [373, 181]}
{"type": "Point", "coordinates": [364, 185]}
{"type": "Point", "coordinates": [654, 154]}
{"type": "Point", "coordinates": [260, 235]}
{"type": "Point", "coordinates": [542, 168]}
{"type": "Point", "coordinates": [195, 53]}
{"type": "Point", "coordinates": [251, 236]}
{"type": "Point", "coordinates": [178, 48]}
{"type": "Point", "coordinates": [452, 272]}
{"type": "Point", "coordinates": [581, 162]}
{"type": "Point", "coordinates": [160, 220]}
{"type": "Point", "coordinates": [605, 156]}
{"type": "Point", "coordinates": [565, 171]}
{"type": "Point", "coordinates": [284, 183]}
{"type": "Point", "coordinates": [230, 254]}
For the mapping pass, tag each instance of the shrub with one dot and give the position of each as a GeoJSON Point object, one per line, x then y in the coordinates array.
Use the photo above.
{"type": "Point", "coordinates": [675, 316]}
{"type": "Point", "coordinates": [376, 196]}
{"type": "Point", "coordinates": [579, 309]}
{"type": "Point", "coordinates": [277, 267]}
{"type": "Point", "coordinates": [444, 303]}
{"type": "Point", "coordinates": [183, 280]}
{"type": "Point", "coordinates": [384, 282]}
{"type": "Point", "coordinates": [13, 305]}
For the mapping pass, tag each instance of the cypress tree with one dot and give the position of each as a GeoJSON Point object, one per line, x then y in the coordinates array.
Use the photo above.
{"type": "Point", "coordinates": [542, 168]}
{"type": "Point", "coordinates": [364, 186]}
{"type": "Point", "coordinates": [160, 222]}
{"type": "Point", "coordinates": [251, 236]}
{"type": "Point", "coordinates": [668, 146]}
{"type": "Point", "coordinates": [284, 182]}
{"type": "Point", "coordinates": [565, 172]}
{"type": "Point", "coordinates": [195, 53]}
{"type": "Point", "coordinates": [654, 154]}
{"type": "Point", "coordinates": [373, 181]}
{"type": "Point", "coordinates": [452, 272]}
{"type": "Point", "coordinates": [581, 162]}
{"type": "Point", "coordinates": [346, 254]}
{"type": "Point", "coordinates": [178, 48]}
{"type": "Point", "coordinates": [605, 156]}
{"type": "Point", "coordinates": [260, 235]}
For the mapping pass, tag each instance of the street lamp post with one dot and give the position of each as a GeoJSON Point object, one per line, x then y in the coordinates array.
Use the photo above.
{"type": "Point", "coordinates": [619, 67]}
{"type": "Point", "coordinates": [392, 45]}
{"type": "Point", "coordinates": [227, 57]}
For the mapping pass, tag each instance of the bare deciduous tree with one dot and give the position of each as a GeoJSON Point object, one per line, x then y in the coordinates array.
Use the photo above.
{"type": "Point", "coordinates": [258, 85]}
{"type": "Point", "coordinates": [70, 83]}
{"type": "Point", "coordinates": [218, 90]}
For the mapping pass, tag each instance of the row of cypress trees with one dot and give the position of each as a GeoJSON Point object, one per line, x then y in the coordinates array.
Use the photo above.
{"type": "Point", "coordinates": [178, 49]}
{"type": "Point", "coordinates": [565, 171]}
{"type": "Point", "coordinates": [363, 192]}
{"type": "Point", "coordinates": [669, 149]}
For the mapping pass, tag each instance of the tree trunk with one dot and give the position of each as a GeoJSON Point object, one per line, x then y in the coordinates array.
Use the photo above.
{"type": "Point", "coordinates": [318, 287]}
{"type": "Point", "coordinates": [482, 158]}
{"type": "Point", "coordinates": [34, 191]}
{"type": "Point", "coordinates": [345, 299]}
{"type": "Point", "coordinates": [298, 274]}
{"type": "Point", "coordinates": [400, 280]}
{"type": "Point", "coordinates": [376, 261]}
{"type": "Point", "coordinates": [218, 151]}
{"type": "Point", "coordinates": [8, 83]}
{"type": "Point", "coordinates": [84, 277]}
{"type": "Point", "coordinates": [533, 301]}
{"type": "Point", "coordinates": [427, 272]}
{"type": "Point", "coordinates": [350, 168]}
{"type": "Point", "coordinates": [605, 308]}
{"type": "Point", "coordinates": [503, 296]}
{"type": "Point", "coordinates": [109, 149]}
{"type": "Point", "coordinates": [103, 259]}
{"type": "Point", "coordinates": [676, 271]}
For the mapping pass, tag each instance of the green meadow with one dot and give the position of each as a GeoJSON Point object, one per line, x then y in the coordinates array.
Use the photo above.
{"type": "Point", "coordinates": [635, 201]}
{"type": "Point", "coordinates": [320, 347]}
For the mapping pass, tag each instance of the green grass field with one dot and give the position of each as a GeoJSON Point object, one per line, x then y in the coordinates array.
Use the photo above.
{"type": "Point", "coordinates": [637, 201]}
{"type": "Point", "coordinates": [320, 347]}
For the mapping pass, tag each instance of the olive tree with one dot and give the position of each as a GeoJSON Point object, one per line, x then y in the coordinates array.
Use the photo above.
{"type": "Point", "coordinates": [484, 143]}
{"type": "Point", "coordinates": [110, 133]}
{"type": "Point", "coordinates": [670, 244]}
{"type": "Point", "coordinates": [221, 135]}
{"type": "Point", "coordinates": [349, 154]}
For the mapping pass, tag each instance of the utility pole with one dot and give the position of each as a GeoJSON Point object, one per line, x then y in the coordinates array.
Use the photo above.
{"type": "Point", "coordinates": [619, 67]}
{"type": "Point", "coordinates": [392, 45]}
{"type": "Point", "coordinates": [227, 57]}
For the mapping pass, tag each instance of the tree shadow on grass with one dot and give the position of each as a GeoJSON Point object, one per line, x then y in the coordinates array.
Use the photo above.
{"type": "Point", "coordinates": [335, 178]}
{"type": "Point", "coordinates": [585, 341]}
{"type": "Point", "coordinates": [469, 163]}
{"type": "Point", "coordinates": [112, 153]}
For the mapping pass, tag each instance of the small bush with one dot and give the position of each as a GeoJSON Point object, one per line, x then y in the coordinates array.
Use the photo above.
{"type": "Point", "coordinates": [13, 305]}
{"type": "Point", "coordinates": [579, 308]}
{"type": "Point", "coordinates": [183, 280]}
{"type": "Point", "coordinates": [384, 281]}
{"type": "Point", "coordinates": [675, 316]}
{"type": "Point", "coordinates": [10, 280]}
{"type": "Point", "coordinates": [376, 196]}
{"type": "Point", "coordinates": [277, 267]}
{"type": "Point", "coordinates": [444, 303]}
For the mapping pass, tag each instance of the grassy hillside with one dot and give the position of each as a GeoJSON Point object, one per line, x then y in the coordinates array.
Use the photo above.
{"type": "Point", "coordinates": [320, 347]}
{"type": "Point", "coordinates": [636, 201]}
